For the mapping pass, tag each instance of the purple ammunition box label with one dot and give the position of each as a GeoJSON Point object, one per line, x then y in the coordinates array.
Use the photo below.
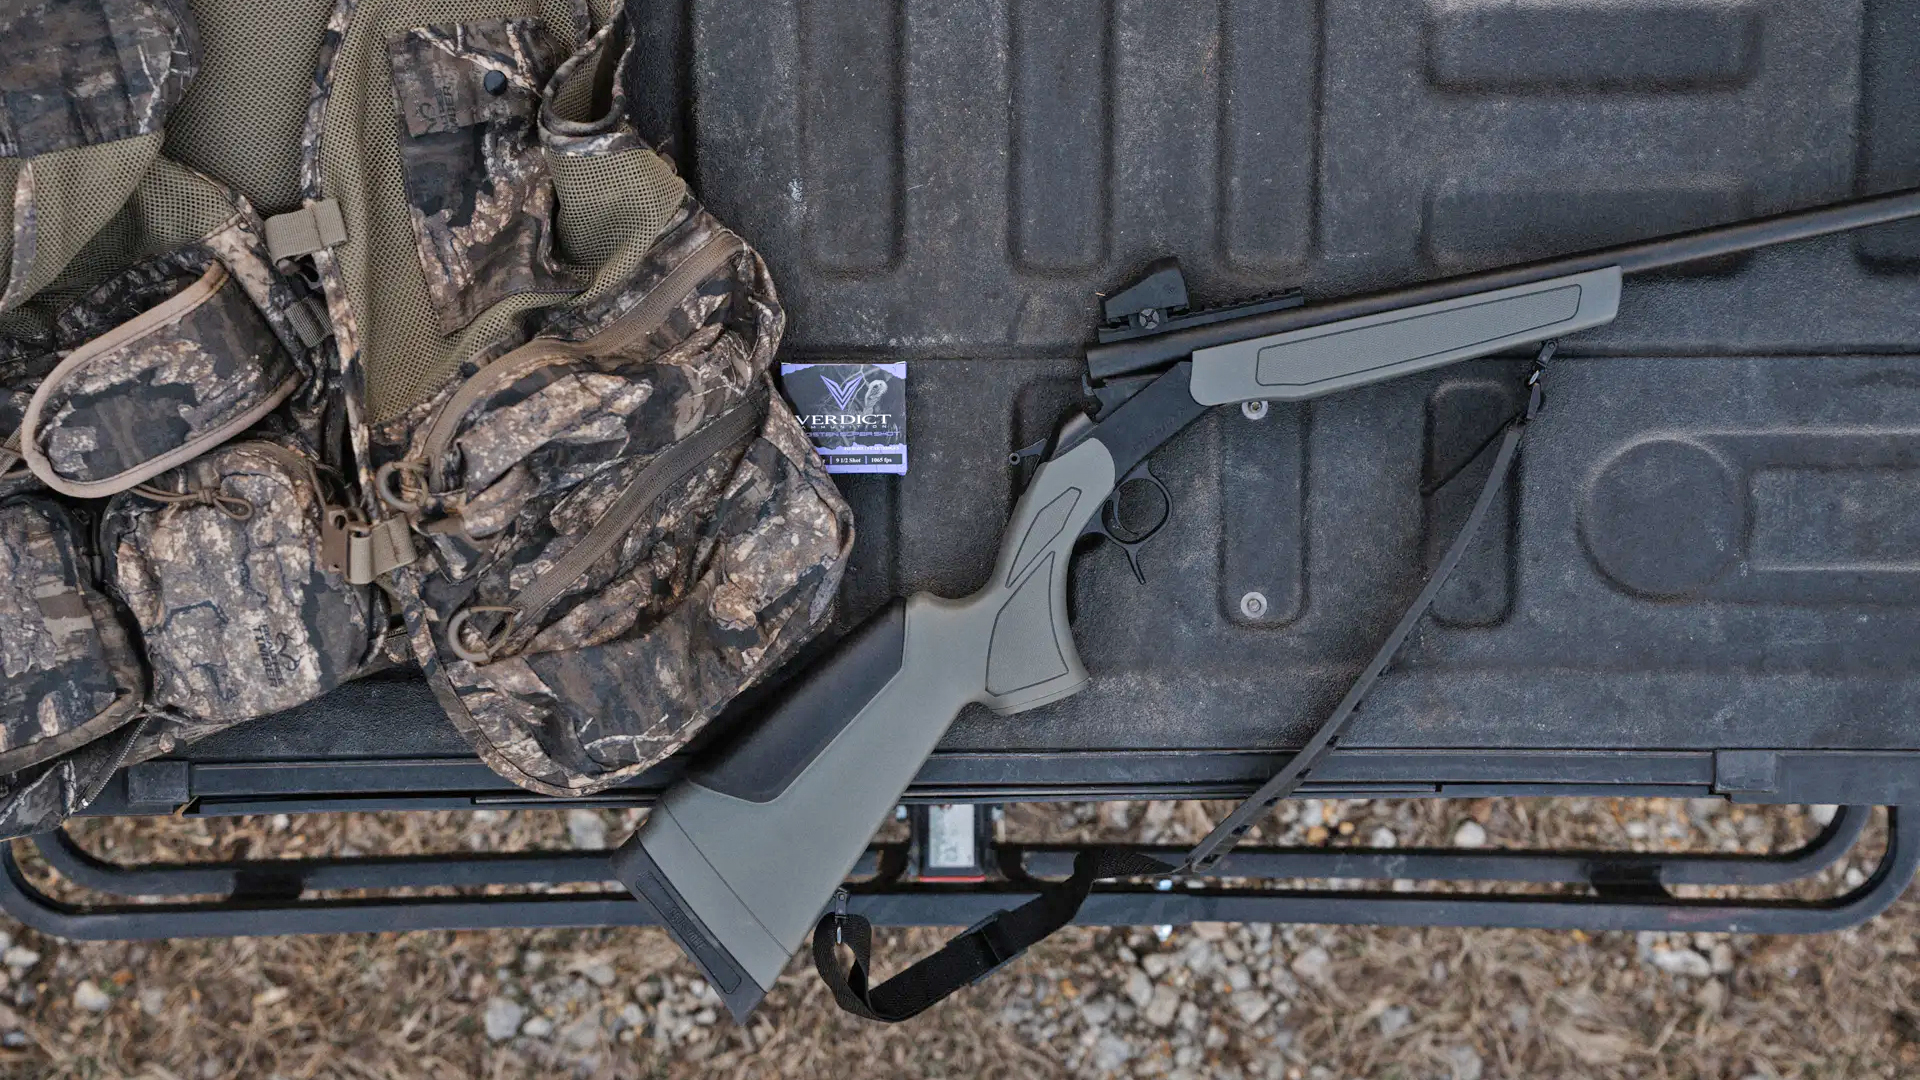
{"type": "Point", "coordinates": [856, 414]}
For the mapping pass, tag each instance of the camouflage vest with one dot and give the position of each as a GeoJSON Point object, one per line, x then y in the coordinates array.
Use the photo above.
{"type": "Point", "coordinates": [336, 333]}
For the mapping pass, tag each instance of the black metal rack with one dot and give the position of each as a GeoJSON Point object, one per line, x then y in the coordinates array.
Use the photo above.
{"type": "Point", "coordinates": [1619, 890]}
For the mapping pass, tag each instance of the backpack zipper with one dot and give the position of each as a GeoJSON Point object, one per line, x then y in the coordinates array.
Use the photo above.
{"type": "Point", "coordinates": [646, 317]}
{"type": "Point", "coordinates": [673, 465]}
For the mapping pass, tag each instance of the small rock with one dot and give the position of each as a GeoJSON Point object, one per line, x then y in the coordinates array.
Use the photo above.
{"type": "Point", "coordinates": [1210, 931]}
{"type": "Point", "coordinates": [1702, 810]}
{"type": "Point", "coordinates": [1823, 813]}
{"type": "Point", "coordinates": [1466, 1063]}
{"type": "Point", "coordinates": [1854, 877]}
{"type": "Point", "coordinates": [1156, 963]}
{"type": "Point", "coordinates": [1251, 1005]}
{"type": "Point", "coordinates": [1382, 837]}
{"type": "Point", "coordinates": [91, 998]}
{"type": "Point", "coordinates": [6, 941]}
{"type": "Point", "coordinates": [1199, 957]}
{"type": "Point", "coordinates": [1469, 835]}
{"type": "Point", "coordinates": [587, 830]}
{"type": "Point", "coordinates": [153, 1001]}
{"type": "Point", "coordinates": [538, 1028]}
{"type": "Point", "coordinates": [1165, 1004]}
{"type": "Point", "coordinates": [1100, 1010]}
{"type": "Point", "coordinates": [1239, 978]}
{"type": "Point", "coordinates": [503, 1018]}
{"type": "Point", "coordinates": [19, 958]}
{"type": "Point", "coordinates": [1682, 962]}
{"type": "Point", "coordinates": [598, 970]}
{"type": "Point", "coordinates": [1139, 988]}
{"type": "Point", "coordinates": [1282, 980]}
{"type": "Point", "coordinates": [705, 1017]}
{"type": "Point", "coordinates": [1721, 957]}
{"type": "Point", "coordinates": [532, 961]}
{"type": "Point", "coordinates": [1519, 1018]}
{"type": "Point", "coordinates": [584, 1032]}
{"type": "Point", "coordinates": [1395, 1020]}
{"type": "Point", "coordinates": [1312, 964]}
{"type": "Point", "coordinates": [1110, 1052]}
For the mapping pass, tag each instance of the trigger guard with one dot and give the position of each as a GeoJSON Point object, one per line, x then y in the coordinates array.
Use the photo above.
{"type": "Point", "coordinates": [1108, 519]}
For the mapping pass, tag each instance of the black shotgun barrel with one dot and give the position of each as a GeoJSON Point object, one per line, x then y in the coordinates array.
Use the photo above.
{"type": "Point", "coordinates": [1118, 358]}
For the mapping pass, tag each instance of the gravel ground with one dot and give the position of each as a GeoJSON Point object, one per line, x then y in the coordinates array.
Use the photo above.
{"type": "Point", "coordinates": [1213, 1000]}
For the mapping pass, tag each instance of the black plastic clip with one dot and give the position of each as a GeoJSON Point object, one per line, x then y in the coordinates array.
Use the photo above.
{"type": "Point", "coordinates": [839, 916]}
{"type": "Point", "coordinates": [1536, 394]}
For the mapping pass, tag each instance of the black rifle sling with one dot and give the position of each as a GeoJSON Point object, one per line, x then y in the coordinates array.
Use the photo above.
{"type": "Point", "coordinates": [973, 954]}
{"type": "Point", "coordinates": [991, 943]}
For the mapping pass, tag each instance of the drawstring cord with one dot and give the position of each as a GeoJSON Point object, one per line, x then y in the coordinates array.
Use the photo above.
{"type": "Point", "coordinates": [232, 506]}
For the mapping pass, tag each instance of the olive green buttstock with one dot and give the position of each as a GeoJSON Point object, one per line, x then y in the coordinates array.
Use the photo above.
{"type": "Point", "coordinates": [741, 857]}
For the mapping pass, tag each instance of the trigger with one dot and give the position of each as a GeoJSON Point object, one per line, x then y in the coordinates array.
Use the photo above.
{"type": "Point", "coordinates": [1098, 527]}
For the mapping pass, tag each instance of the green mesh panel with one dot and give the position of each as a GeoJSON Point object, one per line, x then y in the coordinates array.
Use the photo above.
{"type": "Point", "coordinates": [173, 206]}
{"type": "Point", "coordinates": [74, 192]}
{"type": "Point", "coordinates": [242, 118]}
{"type": "Point", "coordinates": [611, 203]}
{"type": "Point", "coordinates": [9, 172]}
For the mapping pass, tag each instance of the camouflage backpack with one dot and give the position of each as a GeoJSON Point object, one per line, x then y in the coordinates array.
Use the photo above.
{"type": "Point", "coordinates": [477, 385]}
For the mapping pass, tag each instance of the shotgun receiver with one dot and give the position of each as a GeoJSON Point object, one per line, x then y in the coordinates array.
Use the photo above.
{"type": "Point", "coordinates": [740, 858]}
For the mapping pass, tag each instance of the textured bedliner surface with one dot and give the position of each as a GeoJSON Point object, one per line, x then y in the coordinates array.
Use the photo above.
{"type": "Point", "coordinates": [1712, 541]}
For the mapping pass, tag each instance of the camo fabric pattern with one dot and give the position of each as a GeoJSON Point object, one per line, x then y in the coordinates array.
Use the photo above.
{"type": "Point", "coordinates": [477, 187]}
{"type": "Point", "coordinates": [22, 366]}
{"type": "Point", "coordinates": [67, 671]}
{"type": "Point", "coordinates": [227, 579]}
{"type": "Point", "coordinates": [81, 72]}
{"type": "Point", "coordinates": [38, 798]}
{"type": "Point", "coordinates": [608, 133]}
{"type": "Point", "coordinates": [723, 575]}
{"type": "Point", "coordinates": [164, 382]}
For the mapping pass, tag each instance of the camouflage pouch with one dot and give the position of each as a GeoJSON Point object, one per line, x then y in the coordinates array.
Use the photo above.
{"type": "Point", "coordinates": [183, 361]}
{"type": "Point", "coordinates": [630, 528]}
{"type": "Point", "coordinates": [233, 568]}
{"type": "Point", "coordinates": [480, 201]}
{"type": "Point", "coordinates": [68, 672]}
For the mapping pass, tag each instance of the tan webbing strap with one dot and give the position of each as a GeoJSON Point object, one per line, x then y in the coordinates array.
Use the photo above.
{"type": "Point", "coordinates": [374, 550]}
{"type": "Point", "coordinates": [306, 230]}
{"type": "Point", "coordinates": [309, 318]}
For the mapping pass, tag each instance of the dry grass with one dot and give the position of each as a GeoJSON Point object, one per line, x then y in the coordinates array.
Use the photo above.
{"type": "Point", "coordinates": [1526, 1004]}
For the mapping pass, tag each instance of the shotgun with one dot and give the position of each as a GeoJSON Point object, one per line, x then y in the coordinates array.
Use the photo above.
{"type": "Point", "coordinates": [741, 856]}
